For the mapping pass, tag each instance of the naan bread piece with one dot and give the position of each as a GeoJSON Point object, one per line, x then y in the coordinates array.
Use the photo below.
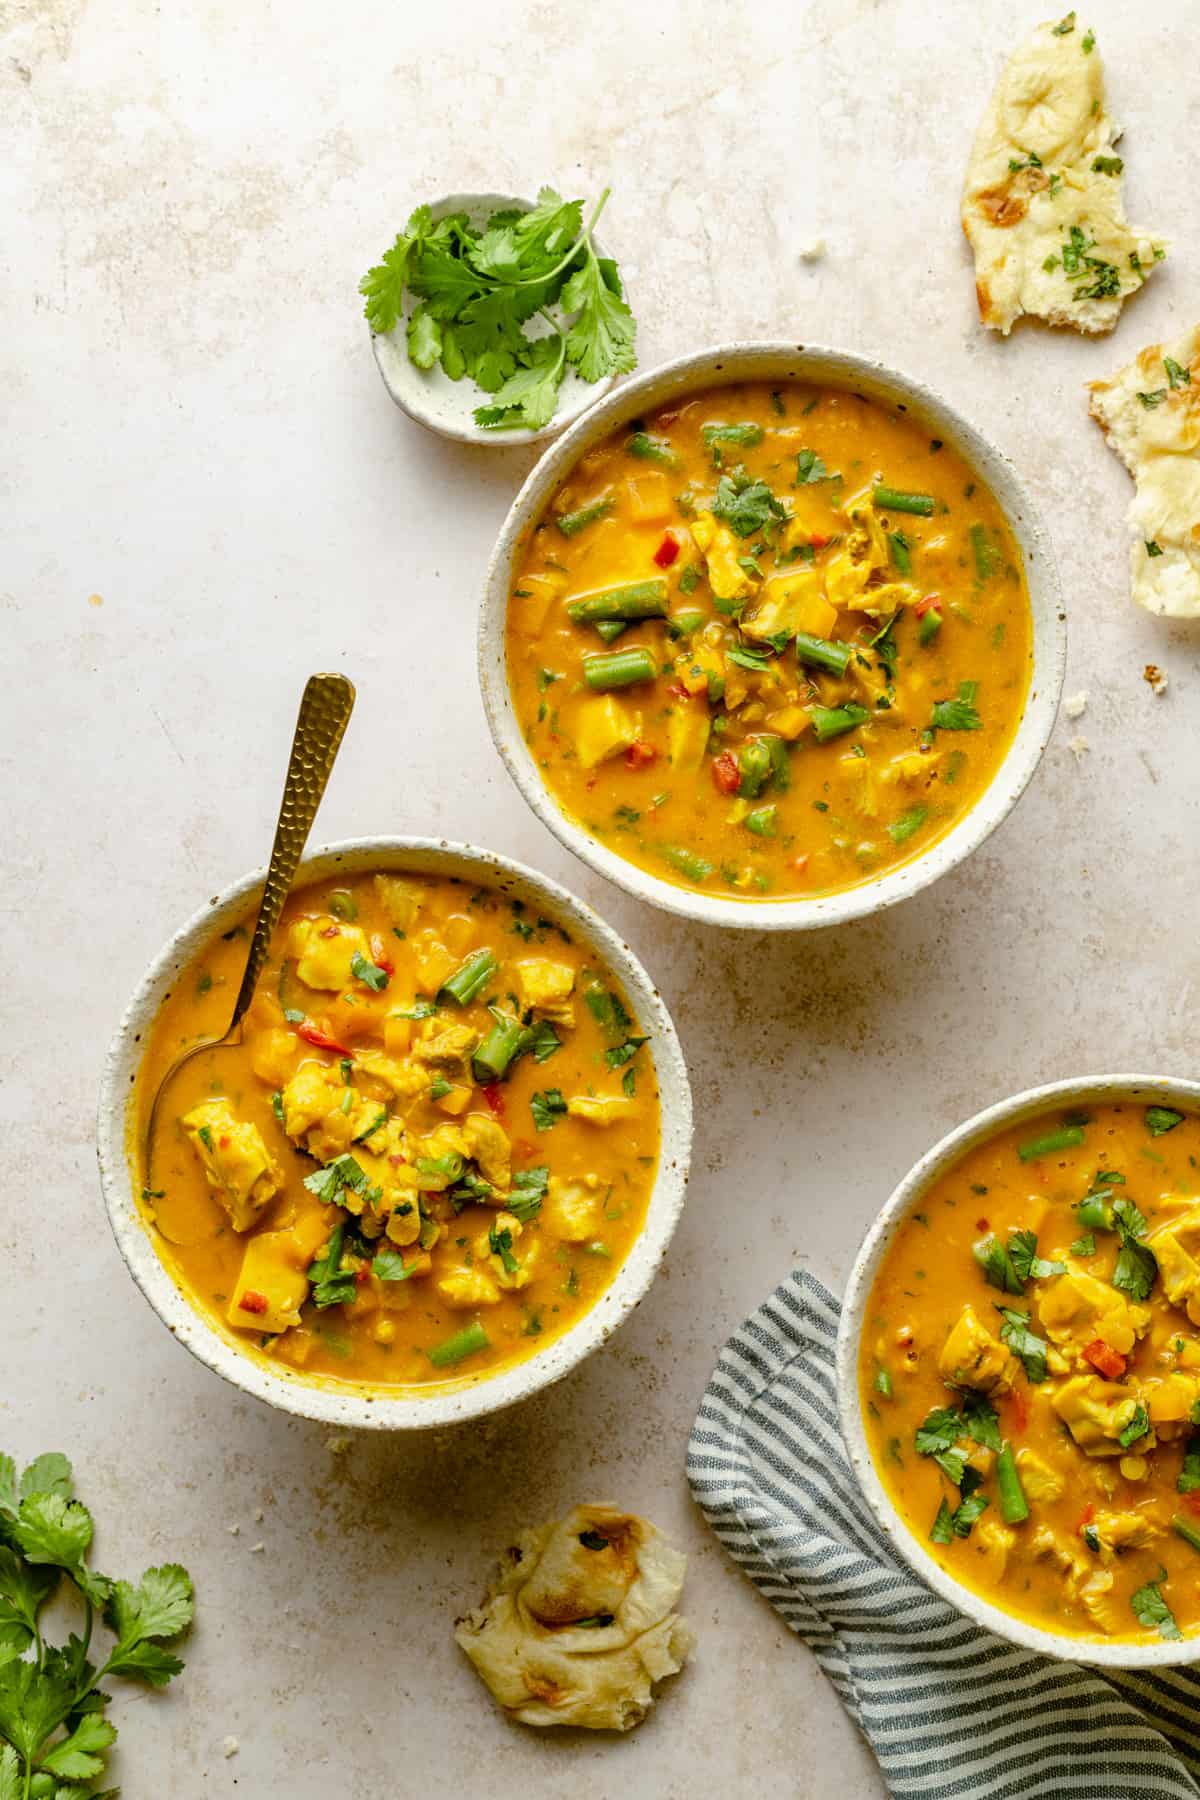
{"type": "Point", "coordinates": [581, 1622]}
{"type": "Point", "coordinates": [1042, 206]}
{"type": "Point", "coordinates": [1150, 413]}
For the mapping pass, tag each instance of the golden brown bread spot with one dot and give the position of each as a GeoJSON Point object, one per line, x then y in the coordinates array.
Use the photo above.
{"type": "Point", "coordinates": [1002, 206]}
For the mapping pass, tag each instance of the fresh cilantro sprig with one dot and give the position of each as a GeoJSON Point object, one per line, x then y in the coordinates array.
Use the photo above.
{"type": "Point", "coordinates": [53, 1733]}
{"type": "Point", "coordinates": [477, 292]}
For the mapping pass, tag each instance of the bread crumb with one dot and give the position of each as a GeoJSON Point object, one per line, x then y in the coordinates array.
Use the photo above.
{"type": "Point", "coordinates": [812, 251]}
{"type": "Point", "coordinates": [230, 1747]}
{"type": "Point", "coordinates": [95, 600]}
{"type": "Point", "coordinates": [1079, 748]}
{"type": "Point", "coordinates": [233, 1530]}
{"type": "Point", "coordinates": [1155, 677]}
{"type": "Point", "coordinates": [259, 1515]}
{"type": "Point", "coordinates": [1075, 705]}
{"type": "Point", "coordinates": [257, 1549]}
{"type": "Point", "coordinates": [337, 1446]}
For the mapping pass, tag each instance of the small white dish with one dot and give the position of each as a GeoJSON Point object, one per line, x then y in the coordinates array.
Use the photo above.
{"type": "Point", "coordinates": [397, 1409]}
{"type": "Point", "coordinates": [834, 368]}
{"type": "Point", "coordinates": [448, 407]}
{"type": "Point", "coordinates": [1142, 1090]}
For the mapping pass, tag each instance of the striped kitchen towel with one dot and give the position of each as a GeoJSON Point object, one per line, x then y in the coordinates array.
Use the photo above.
{"type": "Point", "coordinates": [949, 1710]}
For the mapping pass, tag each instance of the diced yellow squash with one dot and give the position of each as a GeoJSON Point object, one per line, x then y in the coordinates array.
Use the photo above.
{"type": "Point", "coordinates": [456, 1101]}
{"type": "Point", "coordinates": [324, 949]}
{"type": "Point", "coordinates": [270, 1289]}
{"type": "Point", "coordinates": [650, 499]}
{"type": "Point", "coordinates": [400, 899]}
{"type": "Point", "coordinates": [604, 727]}
{"type": "Point", "coordinates": [468, 1288]}
{"type": "Point", "coordinates": [529, 606]}
{"type": "Point", "coordinates": [545, 987]}
{"type": "Point", "coordinates": [273, 1055]}
{"type": "Point", "coordinates": [1170, 1402]}
{"type": "Point", "coordinates": [972, 1357]}
{"type": "Point", "coordinates": [398, 1030]}
{"type": "Point", "coordinates": [784, 602]}
{"type": "Point", "coordinates": [237, 1164]}
{"type": "Point", "coordinates": [789, 722]}
{"type": "Point", "coordinates": [609, 1110]}
{"type": "Point", "coordinates": [295, 1346]}
{"type": "Point", "coordinates": [687, 736]}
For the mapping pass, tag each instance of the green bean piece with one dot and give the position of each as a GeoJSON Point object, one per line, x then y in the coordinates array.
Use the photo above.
{"type": "Point", "coordinates": [754, 765]}
{"type": "Point", "coordinates": [1014, 1507]}
{"type": "Point", "coordinates": [831, 721]}
{"type": "Point", "coordinates": [781, 765]}
{"type": "Point", "coordinates": [633, 600]}
{"type": "Point", "coordinates": [651, 449]}
{"type": "Point", "coordinates": [469, 980]}
{"type": "Point", "coordinates": [901, 553]}
{"type": "Point", "coordinates": [896, 500]}
{"type": "Point", "coordinates": [930, 625]}
{"type": "Point", "coordinates": [1186, 1530]}
{"type": "Point", "coordinates": [343, 905]}
{"type": "Point", "coordinates": [1067, 1137]}
{"type": "Point", "coordinates": [1095, 1212]}
{"type": "Point", "coordinates": [688, 862]}
{"type": "Point", "coordinates": [761, 822]}
{"type": "Point", "coordinates": [500, 1048]}
{"type": "Point", "coordinates": [464, 1343]}
{"type": "Point", "coordinates": [824, 653]}
{"type": "Point", "coordinates": [685, 622]}
{"type": "Point", "coordinates": [610, 629]}
{"type": "Point", "coordinates": [620, 669]}
{"type": "Point", "coordinates": [570, 524]}
{"type": "Point", "coordinates": [746, 434]}
{"type": "Point", "coordinates": [904, 827]}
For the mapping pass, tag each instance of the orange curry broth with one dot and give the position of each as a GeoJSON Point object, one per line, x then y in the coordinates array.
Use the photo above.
{"type": "Point", "coordinates": [559, 1260]}
{"type": "Point", "coordinates": [1100, 1526]}
{"type": "Point", "coordinates": [667, 771]}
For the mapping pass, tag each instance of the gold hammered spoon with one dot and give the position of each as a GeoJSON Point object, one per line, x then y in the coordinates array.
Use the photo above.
{"type": "Point", "coordinates": [324, 714]}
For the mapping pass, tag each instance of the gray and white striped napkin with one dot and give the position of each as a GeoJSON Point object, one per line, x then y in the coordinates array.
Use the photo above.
{"type": "Point", "coordinates": [949, 1710]}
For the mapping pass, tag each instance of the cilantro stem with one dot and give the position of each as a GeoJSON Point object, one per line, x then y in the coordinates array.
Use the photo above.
{"type": "Point", "coordinates": [584, 238]}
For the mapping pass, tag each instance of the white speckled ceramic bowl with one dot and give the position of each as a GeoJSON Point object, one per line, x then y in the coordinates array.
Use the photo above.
{"type": "Point", "coordinates": [448, 407]}
{"type": "Point", "coordinates": [835, 368]}
{"type": "Point", "coordinates": [357, 1407]}
{"type": "Point", "coordinates": [1140, 1090]}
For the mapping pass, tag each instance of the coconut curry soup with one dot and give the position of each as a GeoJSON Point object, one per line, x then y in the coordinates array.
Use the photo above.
{"type": "Point", "coordinates": [769, 641]}
{"type": "Point", "coordinates": [1030, 1372]}
{"type": "Point", "coordinates": [432, 1150]}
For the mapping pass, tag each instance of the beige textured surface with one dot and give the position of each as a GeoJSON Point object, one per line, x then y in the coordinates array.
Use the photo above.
{"type": "Point", "coordinates": [198, 436]}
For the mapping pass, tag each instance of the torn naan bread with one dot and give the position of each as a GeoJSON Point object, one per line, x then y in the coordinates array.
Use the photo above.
{"type": "Point", "coordinates": [1042, 206]}
{"type": "Point", "coordinates": [581, 1622]}
{"type": "Point", "coordinates": [1150, 413]}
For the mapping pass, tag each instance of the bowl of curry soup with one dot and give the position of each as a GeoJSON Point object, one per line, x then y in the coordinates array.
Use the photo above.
{"type": "Point", "coordinates": [1019, 1369]}
{"type": "Point", "coordinates": [772, 637]}
{"type": "Point", "coordinates": [445, 1160]}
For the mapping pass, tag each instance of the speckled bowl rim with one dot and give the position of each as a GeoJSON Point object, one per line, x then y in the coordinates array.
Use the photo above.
{"type": "Point", "coordinates": [1148, 1090]}
{"type": "Point", "coordinates": [468, 1399]}
{"type": "Point", "coordinates": [836, 368]}
{"type": "Point", "coordinates": [422, 399]}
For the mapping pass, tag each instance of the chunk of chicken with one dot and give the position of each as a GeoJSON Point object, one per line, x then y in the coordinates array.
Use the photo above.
{"type": "Point", "coordinates": [545, 987]}
{"type": "Point", "coordinates": [447, 1049]}
{"type": "Point", "coordinates": [403, 1080]}
{"type": "Point", "coordinates": [468, 1288]}
{"type": "Point", "coordinates": [496, 1249]}
{"type": "Point", "coordinates": [993, 1543]}
{"type": "Point", "coordinates": [1177, 1247]}
{"type": "Point", "coordinates": [721, 551]}
{"type": "Point", "coordinates": [1095, 1596]}
{"type": "Point", "coordinates": [1095, 1412]}
{"type": "Point", "coordinates": [489, 1147]}
{"type": "Point", "coordinates": [971, 1357]}
{"type": "Point", "coordinates": [607, 1109]}
{"type": "Point", "coordinates": [1077, 1308]}
{"type": "Point", "coordinates": [1127, 1530]}
{"type": "Point", "coordinates": [400, 899]}
{"type": "Point", "coordinates": [325, 1115]}
{"type": "Point", "coordinates": [237, 1164]}
{"type": "Point", "coordinates": [571, 1209]}
{"type": "Point", "coordinates": [788, 604]}
{"type": "Point", "coordinates": [1039, 1480]}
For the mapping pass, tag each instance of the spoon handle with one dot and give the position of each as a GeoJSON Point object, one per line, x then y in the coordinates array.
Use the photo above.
{"type": "Point", "coordinates": [324, 714]}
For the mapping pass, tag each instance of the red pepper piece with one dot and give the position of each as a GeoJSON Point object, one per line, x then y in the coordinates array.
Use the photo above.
{"type": "Point", "coordinates": [640, 755]}
{"type": "Point", "coordinates": [1020, 1412]}
{"type": "Point", "coordinates": [725, 773]}
{"type": "Point", "coordinates": [493, 1098]}
{"type": "Point", "coordinates": [1104, 1359]}
{"type": "Point", "coordinates": [253, 1302]}
{"type": "Point", "coordinates": [818, 540]}
{"type": "Point", "coordinates": [930, 603]}
{"type": "Point", "coordinates": [321, 1039]}
{"type": "Point", "coordinates": [1085, 1517]}
{"type": "Point", "coordinates": [667, 551]}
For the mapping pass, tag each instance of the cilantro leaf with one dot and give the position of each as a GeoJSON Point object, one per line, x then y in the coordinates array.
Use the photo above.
{"type": "Point", "coordinates": [516, 246]}
{"type": "Point", "coordinates": [942, 1529]}
{"type": "Point", "coordinates": [809, 468]}
{"type": "Point", "coordinates": [940, 1431]}
{"type": "Point", "coordinates": [544, 1041]}
{"type": "Point", "coordinates": [368, 972]}
{"type": "Point", "coordinates": [959, 714]}
{"type": "Point", "coordinates": [547, 1108]}
{"type": "Point", "coordinates": [600, 342]}
{"type": "Point", "coordinates": [48, 1474]}
{"type": "Point", "coordinates": [79, 1757]}
{"type": "Point", "coordinates": [1137, 1427]}
{"type": "Point", "coordinates": [998, 1266]}
{"type": "Point", "coordinates": [1189, 1475]}
{"type": "Point", "coordinates": [1161, 1119]}
{"type": "Point", "coordinates": [620, 1054]}
{"type": "Point", "coordinates": [383, 286]}
{"type": "Point", "coordinates": [331, 1284]}
{"type": "Point", "coordinates": [746, 506]}
{"type": "Point", "coordinates": [1022, 1249]}
{"type": "Point", "coordinates": [425, 340]}
{"type": "Point", "coordinates": [389, 1265]}
{"type": "Point", "coordinates": [527, 398]}
{"type": "Point", "coordinates": [12, 1785]}
{"type": "Point", "coordinates": [160, 1606]}
{"type": "Point", "coordinates": [54, 1530]}
{"type": "Point", "coordinates": [33, 1703]}
{"type": "Point", "coordinates": [1136, 1265]}
{"type": "Point", "coordinates": [1152, 1611]}
{"type": "Point", "coordinates": [1024, 1343]}
{"type": "Point", "coordinates": [1176, 374]}
{"type": "Point", "coordinates": [983, 1426]}
{"type": "Point", "coordinates": [528, 1191]}
{"type": "Point", "coordinates": [9, 1497]}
